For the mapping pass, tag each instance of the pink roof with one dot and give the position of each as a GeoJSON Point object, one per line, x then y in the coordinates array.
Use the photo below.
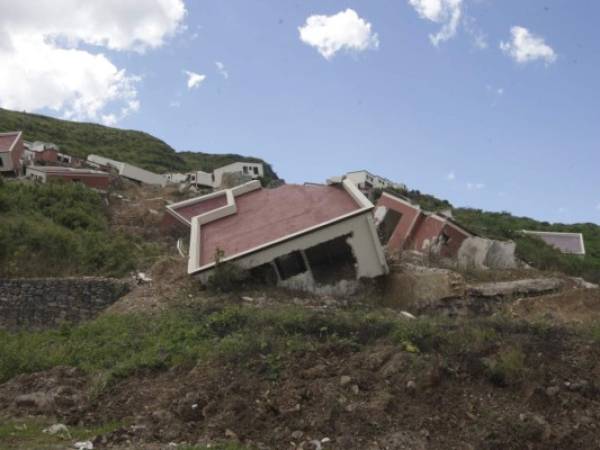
{"type": "Point", "coordinates": [195, 209]}
{"type": "Point", "coordinates": [7, 140]}
{"type": "Point", "coordinates": [268, 215]}
{"type": "Point", "coordinates": [565, 242]}
{"type": "Point", "coordinates": [59, 170]}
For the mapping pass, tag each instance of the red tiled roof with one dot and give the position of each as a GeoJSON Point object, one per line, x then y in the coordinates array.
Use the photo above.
{"type": "Point", "coordinates": [7, 140]}
{"type": "Point", "coordinates": [565, 242]}
{"type": "Point", "coordinates": [268, 215]}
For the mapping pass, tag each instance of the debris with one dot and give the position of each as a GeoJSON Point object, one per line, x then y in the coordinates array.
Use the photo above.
{"type": "Point", "coordinates": [345, 379]}
{"type": "Point", "coordinates": [411, 386]}
{"type": "Point", "coordinates": [297, 435]}
{"type": "Point", "coordinates": [141, 277]}
{"type": "Point", "coordinates": [231, 435]}
{"type": "Point", "coordinates": [84, 445]}
{"type": "Point", "coordinates": [58, 429]}
{"type": "Point", "coordinates": [247, 299]}
{"type": "Point", "coordinates": [407, 315]}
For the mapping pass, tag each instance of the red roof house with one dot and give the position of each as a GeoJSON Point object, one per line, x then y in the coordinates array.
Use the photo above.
{"type": "Point", "coordinates": [11, 152]}
{"type": "Point", "coordinates": [300, 231]}
{"type": "Point", "coordinates": [91, 178]}
{"type": "Point", "coordinates": [570, 243]}
{"type": "Point", "coordinates": [405, 226]}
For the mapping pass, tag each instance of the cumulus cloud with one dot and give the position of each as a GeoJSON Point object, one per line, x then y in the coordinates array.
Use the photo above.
{"type": "Point", "coordinates": [194, 79]}
{"type": "Point", "coordinates": [451, 176]}
{"type": "Point", "coordinates": [46, 66]}
{"type": "Point", "coordinates": [221, 69]}
{"type": "Point", "coordinates": [445, 12]}
{"type": "Point", "coordinates": [345, 30]}
{"type": "Point", "coordinates": [525, 47]}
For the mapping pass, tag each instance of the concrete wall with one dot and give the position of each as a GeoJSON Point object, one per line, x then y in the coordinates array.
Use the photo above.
{"type": "Point", "coordinates": [410, 214]}
{"type": "Point", "coordinates": [11, 161]}
{"type": "Point", "coordinates": [237, 167]}
{"type": "Point", "coordinates": [48, 302]}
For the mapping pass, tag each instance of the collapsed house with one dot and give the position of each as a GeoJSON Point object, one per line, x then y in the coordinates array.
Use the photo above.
{"type": "Point", "coordinates": [126, 170]}
{"type": "Point", "coordinates": [297, 236]}
{"type": "Point", "coordinates": [216, 178]}
{"type": "Point", "coordinates": [40, 152]}
{"type": "Point", "coordinates": [404, 226]}
{"type": "Point", "coordinates": [568, 243]}
{"type": "Point", "coordinates": [11, 152]}
{"type": "Point", "coordinates": [91, 178]}
{"type": "Point", "coordinates": [367, 182]}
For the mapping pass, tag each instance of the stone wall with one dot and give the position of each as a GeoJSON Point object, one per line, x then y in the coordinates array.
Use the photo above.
{"type": "Point", "coordinates": [48, 302]}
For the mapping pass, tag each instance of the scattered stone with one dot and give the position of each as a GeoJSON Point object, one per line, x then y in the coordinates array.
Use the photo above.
{"type": "Point", "coordinates": [345, 380]}
{"type": "Point", "coordinates": [247, 299]}
{"type": "Point", "coordinates": [85, 445]}
{"type": "Point", "coordinates": [552, 391]}
{"type": "Point", "coordinates": [355, 389]}
{"type": "Point", "coordinates": [231, 435]}
{"type": "Point", "coordinates": [297, 435]}
{"type": "Point", "coordinates": [58, 429]}
{"type": "Point", "coordinates": [411, 386]}
{"type": "Point", "coordinates": [407, 315]}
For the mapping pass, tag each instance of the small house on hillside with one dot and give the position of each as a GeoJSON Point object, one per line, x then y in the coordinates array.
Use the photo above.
{"type": "Point", "coordinates": [247, 170]}
{"type": "Point", "coordinates": [405, 226]}
{"type": "Point", "coordinates": [300, 236]}
{"type": "Point", "coordinates": [36, 152]}
{"type": "Point", "coordinates": [366, 181]}
{"type": "Point", "coordinates": [127, 170]}
{"type": "Point", "coordinates": [569, 243]}
{"type": "Point", "coordinates": [11, 152]}
{"type": "Point", "coordinates": [91, 178]}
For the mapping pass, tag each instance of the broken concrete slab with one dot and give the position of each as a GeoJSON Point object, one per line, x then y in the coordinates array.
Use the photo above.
{"type": "Point", "coordinates": [416, 288]}
{"type": "Point", "coordinates": [520, 288]}
{"type": "Point", "coordinates": [483, 254]}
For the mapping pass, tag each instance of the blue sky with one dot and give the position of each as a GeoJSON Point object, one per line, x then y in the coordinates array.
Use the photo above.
{"type": "Point", "coordinates": [473, 125]}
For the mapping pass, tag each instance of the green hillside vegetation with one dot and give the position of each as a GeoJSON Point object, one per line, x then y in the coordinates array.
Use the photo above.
{"type": "Point", "coordinates": [134, 147]}
{"type": "Point", "coordinates": [61, 229]}
{"type": "Point", "coordinates": [504, 225]}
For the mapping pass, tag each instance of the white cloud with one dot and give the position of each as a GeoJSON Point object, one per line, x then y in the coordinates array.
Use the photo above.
{"type": "Point", "coordinates": [45, 66]}
{"type": "Point", "coordinates": [342, 31]}
{"type": "Point", "coordinates": [525, 47]}
{"type": "Point", "coordinates": [475, 186]}
{"type": "Point", "coordinates": [451, 176]}
{"type": "Point", "coordinates": [221, 69]}
{"type": "Point", "coordinates": [479, 37]}
{"type": "Point", "coordinates": [194, 79]}
{"type": "Point", "coordinates": [445, 12]}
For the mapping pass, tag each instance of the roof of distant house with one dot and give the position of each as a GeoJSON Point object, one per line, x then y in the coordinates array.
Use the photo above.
{"type": "Point", "coordinates": [58, 170]}
{"type": "Point", "coordinates": [572, 243]}
{"type": "Point", "coordinates": [248, 218]}
{"type": "Point", "coordinates": [8, 140]}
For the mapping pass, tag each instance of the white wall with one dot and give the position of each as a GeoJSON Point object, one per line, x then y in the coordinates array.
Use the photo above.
{"type": "Point", "coordinates": [238, 167]}
{"type": "Point", "coordinates": [7, 165]}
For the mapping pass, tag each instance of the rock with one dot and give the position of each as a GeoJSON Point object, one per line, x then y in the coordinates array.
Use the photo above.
{"type": "Point", "coordinates": [39, 401]}
{"type": "Point", "coordinates": [58, 429]}
{"type": "Point", "coordinates": [552, 391]}
{"type": "Point", "coordinates": [85, 445]}
{"type": "Point", "coordinates": [297, 435]}
{"type": "Point", "coordinates": [345, 380]}
{"type": "Point", "coordinates": [483, 254]}
{"type": "Point", "coordinates": [582, 284]}
{"type": "Point", "coordinates": [420, 287]}
{"type": "Point", "coordinates": [247, 299]}
{"type": "Point", "coordinates": [407, 315]}
{"type": "Point", "coordinates": [411, 387]}
{"type": "Point", "coordinates": [231, 435]}
{"type": "Point", "coordinates": [355, 389]}
{"type": "Point", "coordinates": [519, 288]}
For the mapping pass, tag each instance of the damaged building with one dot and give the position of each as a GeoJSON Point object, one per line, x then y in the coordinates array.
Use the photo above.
{"type": "Point", "coordinates": [403, 225]}
{"type": "Point", "coordinates": [298, 236]}
{"type": "Point", "coordinates": [568, 243]}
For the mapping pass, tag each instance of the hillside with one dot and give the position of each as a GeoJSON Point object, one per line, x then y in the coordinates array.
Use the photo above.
{"type": "Point", "coordinates": [135, 147]}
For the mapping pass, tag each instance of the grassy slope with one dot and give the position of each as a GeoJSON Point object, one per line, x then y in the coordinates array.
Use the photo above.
{"type": "Point", "coordinates": [135, 147]}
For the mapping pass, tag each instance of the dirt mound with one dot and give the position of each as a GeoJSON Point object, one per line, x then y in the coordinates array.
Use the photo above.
{"type": "Point", "coordinates": [380, 397]}
{"type": "Point", "coordinates": [573, 306]}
